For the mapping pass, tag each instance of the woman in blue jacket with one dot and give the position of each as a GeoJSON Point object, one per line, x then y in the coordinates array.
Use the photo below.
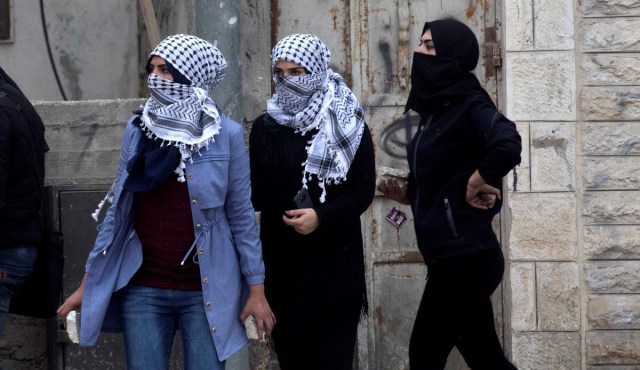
{"type": "Point", "coordinates": [457, 159]}
{"type": "Point", "coordinates": [179, 247]}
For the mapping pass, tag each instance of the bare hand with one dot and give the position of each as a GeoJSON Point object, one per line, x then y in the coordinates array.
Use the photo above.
{"type": "Point", "coordinates": [258, 306]}
{"type": "Point", "coordinates": [73, 302]}
{"type": "Point", "coordinates": [482, 197]}
{"type": "Point", "coordinates": [304, 221]}
{"type": "Point", "coordinates": [394, 190]}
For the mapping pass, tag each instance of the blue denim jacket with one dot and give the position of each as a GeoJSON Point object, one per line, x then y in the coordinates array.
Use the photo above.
{"type": "Point", "coordinates": [228, 243]}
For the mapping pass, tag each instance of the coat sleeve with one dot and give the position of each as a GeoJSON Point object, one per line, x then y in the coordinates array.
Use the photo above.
{"type": "Point", "coordinates": [502, 141]}
{"type": "Point", "coordinates": [105, 229]}
{"type": "Point", "coordinates": [359, 189]}
{"type": "Point", "coordinates": [5, 144]}
{"type": "Point", "coordinates": [240, 212]}
{"type": "Point", "coordinates": [256, 173]}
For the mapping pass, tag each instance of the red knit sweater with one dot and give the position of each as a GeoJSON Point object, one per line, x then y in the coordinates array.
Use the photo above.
{"type": "Point", "coordinates": [165, 227]}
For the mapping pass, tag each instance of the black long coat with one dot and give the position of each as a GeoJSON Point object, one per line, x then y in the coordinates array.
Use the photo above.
{"type": "Point", "coordinates": [22, 148]}
{"type": "Point", "coordinates": [320, 274]}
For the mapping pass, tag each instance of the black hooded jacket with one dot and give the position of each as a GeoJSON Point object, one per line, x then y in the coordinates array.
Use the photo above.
{"type": "Point", "coordinates": [461, 131]}
{"type": "Point", "coordinates": [22, 148]}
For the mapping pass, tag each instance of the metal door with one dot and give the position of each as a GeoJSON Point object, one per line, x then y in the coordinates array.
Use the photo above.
{"type": "Point", "coordinates": [372, 43]}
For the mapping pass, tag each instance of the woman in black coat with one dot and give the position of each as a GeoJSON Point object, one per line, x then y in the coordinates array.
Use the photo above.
{"type": "Point", "coordinates": [22, 149]}
{"type": "Point", "coordinates": [313, 140]}
{"type": "Point", "coordinates": [457, 159]}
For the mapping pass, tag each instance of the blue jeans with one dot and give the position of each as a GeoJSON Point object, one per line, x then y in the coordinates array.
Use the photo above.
{"type": "Point", "coordinates": [150, 317]}
{"type": "Point", "coordinates": [16, 264]}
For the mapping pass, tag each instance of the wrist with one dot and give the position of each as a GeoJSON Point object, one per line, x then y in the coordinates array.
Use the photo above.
{"type": "Point", "coordinates": [256, 289]}
{"type": "Point", "coordinates": [475, 181]}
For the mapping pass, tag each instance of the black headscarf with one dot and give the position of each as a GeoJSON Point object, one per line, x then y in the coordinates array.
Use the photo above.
{"type": "Point", "coordinates": [447, 76]}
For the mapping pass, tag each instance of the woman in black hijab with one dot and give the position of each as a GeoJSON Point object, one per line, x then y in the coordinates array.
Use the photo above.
{"type": "Point", "coordinates": [457, 159]}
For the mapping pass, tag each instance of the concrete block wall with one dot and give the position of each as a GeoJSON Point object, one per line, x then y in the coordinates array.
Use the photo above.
{"type": "Point", "coordinates": [571, 82]}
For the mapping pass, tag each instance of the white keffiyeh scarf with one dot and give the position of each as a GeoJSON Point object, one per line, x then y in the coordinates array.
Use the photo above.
{"type": "Point", "coordinates": [318, 100]}
{"type": "Point", "coordinates": [179, 114]}
{"type": "Point", "coordinates": [185, 115]}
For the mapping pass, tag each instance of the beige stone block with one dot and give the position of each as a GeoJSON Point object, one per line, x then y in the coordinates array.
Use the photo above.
{"type": "Point", "coordinates": [543, 226]}
{"type": "Point", "coordinates": [610, 138]}
{"type": "Point", "coordinates": [609, 34]}
{"type": "Point", "coordinates": [554, 28]}
{"type": "Point", "coordinates": [546, 350]}
{"type": "Point", "coordinates": [539, 25]}
{"type": "Point", "coordinates": [519, 25]}
{"type": "Point", "coordinates": [612, 277]}
{"type": "Point", "coordinates": [522, 171]}
{"type": "Point", "coordinates": [523, 296]}
{"type": "Point", "coordinates": [541, 86]}
{"type": "Point", "coordinates": [611, 207]}
{"type": "Point", "coordinates": [613, 347]}
{"type": "Point", "coordinates": [610, 69]}
{"type": "Point", "coordinates": [614, 311]}
{"type": "Point", "coordinates": [553, 153]}
{"type": "Point", "coordinates": [612, 242]}
{"type": "Point", "coordinates": [610, 103]}
{"type": "Point", "coordinates": [599, 8]}
{"type": "Point", "coordinates": [611, 173]}
{"type": "Point", "coordinates": [558, 296]}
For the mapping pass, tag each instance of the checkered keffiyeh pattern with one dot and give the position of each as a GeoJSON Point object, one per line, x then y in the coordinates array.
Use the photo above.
{"type": "Point", "coordinates": [185, 115]}
{"type": "Point", "coordinates": [318, 100]}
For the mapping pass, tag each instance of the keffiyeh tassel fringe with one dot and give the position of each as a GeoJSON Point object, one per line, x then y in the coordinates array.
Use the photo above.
{"type": "Point", "coordinates": [107, 198]}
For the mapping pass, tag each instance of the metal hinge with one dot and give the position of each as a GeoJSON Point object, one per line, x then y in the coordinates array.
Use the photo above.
{"type": "Point", "coordinates": [497, 56]}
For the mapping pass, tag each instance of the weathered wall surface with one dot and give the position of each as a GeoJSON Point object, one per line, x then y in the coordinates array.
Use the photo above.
{"type": "Point", "coordinates": [571, 83]}
{"type": "Point", "coordinates": [609, 69]}
{"type": "Point", "coordinates": [94, 46]}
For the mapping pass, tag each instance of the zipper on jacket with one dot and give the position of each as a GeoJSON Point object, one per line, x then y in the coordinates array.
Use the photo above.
{"type": "Point", "coordinates": [415, 155]}
{"type": "Point", "coordinates": [452, 224]}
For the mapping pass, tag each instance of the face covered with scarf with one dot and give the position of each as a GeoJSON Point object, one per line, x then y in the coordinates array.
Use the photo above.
{"type": "Point", "coordinates": [445, 76]}
{"type": "Point", "coordinates": [180, 111]}
{"type": "Point", "coordinates": [318, 100]}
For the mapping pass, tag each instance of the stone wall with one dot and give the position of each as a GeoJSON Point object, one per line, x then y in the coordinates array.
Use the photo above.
{"type": "Point", "coordinates": [574, 279]}
{"type": "Point", "coordinates": [609, 72]}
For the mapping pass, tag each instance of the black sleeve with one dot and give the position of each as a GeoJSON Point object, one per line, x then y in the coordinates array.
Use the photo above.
{"type": "Point", "coordinates": [255, 137]}
{"type": "Point", "coordinates": [358, 191]}
{"type": "Point", "coordinates": [502, 141]}
{"type": "Point", "coordinates": [5, 137]}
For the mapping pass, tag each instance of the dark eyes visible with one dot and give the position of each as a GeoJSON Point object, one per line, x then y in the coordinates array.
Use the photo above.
{"type": "Point", "coordinates": [293, 72]}
{"type": "Point", "coordinates": [296, 72]}
{"type": "Point", "coordinates": [427, 44]}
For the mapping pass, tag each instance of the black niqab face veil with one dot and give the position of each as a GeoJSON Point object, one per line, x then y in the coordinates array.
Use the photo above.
{"type": "Point", "coordinates": [446, 76]}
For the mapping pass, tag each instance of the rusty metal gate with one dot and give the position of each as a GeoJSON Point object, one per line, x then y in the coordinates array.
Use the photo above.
{"type": "Point", "coordinates": [372, 43]}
